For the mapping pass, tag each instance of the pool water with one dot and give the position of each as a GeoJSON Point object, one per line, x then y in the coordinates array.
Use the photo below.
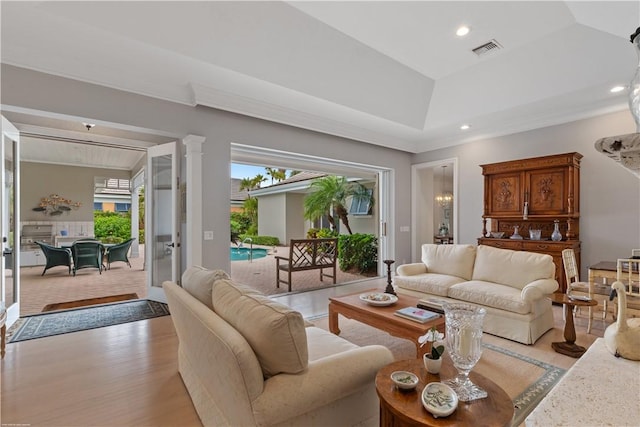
{"type": "Point", "coordinates": [242, 254]}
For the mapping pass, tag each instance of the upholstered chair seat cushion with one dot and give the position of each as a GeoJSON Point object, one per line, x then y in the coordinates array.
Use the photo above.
{"type": "Point", "coordinates": [275, 332]}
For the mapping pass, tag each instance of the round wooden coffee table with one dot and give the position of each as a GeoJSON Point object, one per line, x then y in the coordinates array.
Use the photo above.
{"type": "Point", "coordinates": [404, 408]}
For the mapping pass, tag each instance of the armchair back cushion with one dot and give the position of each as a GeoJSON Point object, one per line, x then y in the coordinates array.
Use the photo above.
{"type": "Point", "coordinates": [453, 260]}
{"type": "Point", "coordinates": [275, 332]}
{"type": "Point", "coordinates": [198, 281]}
{"type": "Point", "coordinates": [512, 268]}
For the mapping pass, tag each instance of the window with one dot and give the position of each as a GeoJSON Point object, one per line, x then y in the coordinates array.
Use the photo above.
{"type": "Point", "coordinates": [360, 204]}
{"type": "Point", "coordinates": [122, 207]}
{"type": "Point", "coordinates": [97, 206]}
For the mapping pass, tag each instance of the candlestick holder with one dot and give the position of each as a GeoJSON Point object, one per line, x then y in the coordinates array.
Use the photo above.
{"type": "Point", "coordinates": [389, 289]}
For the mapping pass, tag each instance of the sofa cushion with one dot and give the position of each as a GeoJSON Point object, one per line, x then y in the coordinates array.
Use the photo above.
{"type": "Point", "coordinates": [275, 332]}
{"type": "Point", "coordinates": [323, 343]}
{"type": "Point", "coordinates": [198, 281]}
{"type": "Point", "coordinates": [453, 260]}
{"type": "Point", "coordinates": [489, 294]}
{"type": "Point", "coordinates": [512, 268]}
{"type": "Point", "coordinates": [431, 283]}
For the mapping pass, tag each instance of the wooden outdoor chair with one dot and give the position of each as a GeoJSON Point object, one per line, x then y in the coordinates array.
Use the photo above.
{"type": "Point", "coordinates": [308, 254]}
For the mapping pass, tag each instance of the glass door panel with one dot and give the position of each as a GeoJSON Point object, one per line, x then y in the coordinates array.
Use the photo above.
{"type": "Point", "coordinates": [9, 195]}
{"type": "Point", "coordinates": [161, 237]}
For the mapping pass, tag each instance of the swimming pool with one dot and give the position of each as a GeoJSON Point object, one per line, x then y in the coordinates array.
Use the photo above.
{"type": "Point", "coordinates": [242, 254]}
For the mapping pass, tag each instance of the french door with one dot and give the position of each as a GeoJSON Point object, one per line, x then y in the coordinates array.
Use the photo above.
{"type": "Point", "coordinates": [9, 205]}
{"type": "Point", "coordinates": [162, 239]}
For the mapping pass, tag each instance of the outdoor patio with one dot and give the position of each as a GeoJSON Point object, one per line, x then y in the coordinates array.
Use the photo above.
{"type": "Point", "coordinates": [58, 286]}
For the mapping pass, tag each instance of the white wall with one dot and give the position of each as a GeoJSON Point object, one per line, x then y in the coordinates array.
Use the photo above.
{"type": "Point", "coordinates": [294, 218]}
{"type": "Point", "coordinates": [610, 194]}
{"type": "Point", "coordinates": [38, 180]}
{"type": "Point", "coordinates": [272, 216]}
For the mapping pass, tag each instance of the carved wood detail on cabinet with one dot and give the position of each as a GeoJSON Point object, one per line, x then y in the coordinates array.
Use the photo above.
{"type": "Point", "coordinates": [531, 194]}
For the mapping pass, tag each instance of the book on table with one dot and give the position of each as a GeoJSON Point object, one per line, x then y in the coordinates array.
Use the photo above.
{"type": "Point", "coordinates": [434, 304]}
{"type": "Point", "coordinates": [417, 314]}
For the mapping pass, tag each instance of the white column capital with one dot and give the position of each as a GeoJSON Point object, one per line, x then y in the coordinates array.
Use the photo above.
{"type": "Point", "coordinates": [193, 144]}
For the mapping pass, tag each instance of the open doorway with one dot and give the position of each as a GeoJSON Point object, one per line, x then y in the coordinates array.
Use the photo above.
{"type": "Point", "coordinates": [64, 158]}
{"type": "Point", "coordinates": [282, 207]}
{"type": "Point", "coordinates": [434, 208]}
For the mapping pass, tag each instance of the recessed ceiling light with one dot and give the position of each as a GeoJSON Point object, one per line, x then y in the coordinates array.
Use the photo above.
{"type": "Point", "coordinates": [616, 89]}
{"type": "Point", "coordinates": [465, 127]}
{"type": "Point", "coordinates": [462, 31]}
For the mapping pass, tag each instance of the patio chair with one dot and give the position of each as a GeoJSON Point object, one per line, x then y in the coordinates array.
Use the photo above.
{"type": "Point", "coordinates": [87, 254]}
{"type": "Point", "coordinates": [55, 256]}
{"type": "Point", "coordinates": [118, 252]}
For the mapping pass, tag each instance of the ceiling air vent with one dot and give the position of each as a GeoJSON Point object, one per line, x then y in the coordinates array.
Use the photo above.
{"type": "Point", "coordinates": [487, 47]}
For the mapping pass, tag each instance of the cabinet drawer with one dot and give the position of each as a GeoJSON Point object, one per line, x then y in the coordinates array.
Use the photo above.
{"type": "Point", "coordinates": [503, 243]}
{"type": "Point", "coordinates": [541, 246]}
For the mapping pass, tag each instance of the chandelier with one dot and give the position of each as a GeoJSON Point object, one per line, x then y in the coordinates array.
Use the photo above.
{"type": "Point", "coordinates": [445, 198]}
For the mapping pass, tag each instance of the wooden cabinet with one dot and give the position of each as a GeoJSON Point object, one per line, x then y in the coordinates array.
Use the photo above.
{"type": "Point", "coordinates": [30, 258]}
{"type": "Point", "coordinates": [532, 194]}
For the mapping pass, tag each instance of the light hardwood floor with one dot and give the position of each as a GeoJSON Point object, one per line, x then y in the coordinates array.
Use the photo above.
{"type": "Point", "coordinates": [127, 375]}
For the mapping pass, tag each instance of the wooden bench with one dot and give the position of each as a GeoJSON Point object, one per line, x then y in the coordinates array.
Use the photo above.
{"type": "Point", "coordinates": [308, 254]}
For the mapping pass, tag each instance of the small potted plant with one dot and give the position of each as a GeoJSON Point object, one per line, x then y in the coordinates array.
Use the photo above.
{"type": "Point", "coordinates": [432, 359]}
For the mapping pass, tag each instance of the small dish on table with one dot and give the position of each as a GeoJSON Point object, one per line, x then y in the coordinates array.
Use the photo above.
{"type": "Point", "coordinates": [497, 234]}
{"type": "Point", "coordinates": [439, 399]}
{"type": "Point", "coordinates": [404, 380]}
{"type": "Point", "coordinates": [379, 298]}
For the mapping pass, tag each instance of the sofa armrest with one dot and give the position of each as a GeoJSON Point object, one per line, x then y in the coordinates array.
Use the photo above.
{"type": "Point", "coordinates": [411, 269]}
{"type": "Point", "coordinates": [539, 289]}
{"type": "Point", "coordinates": [326, 380]}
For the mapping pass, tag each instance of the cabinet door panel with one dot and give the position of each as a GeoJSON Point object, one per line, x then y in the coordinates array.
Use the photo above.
{"type": "Point", "coordinates": [547, 191]}
{"type": "Point", "coordinates": [506, 194]}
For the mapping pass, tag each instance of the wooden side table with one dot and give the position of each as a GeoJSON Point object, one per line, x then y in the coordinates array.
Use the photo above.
{"type": "Point", "coordinates": [569, 346]}
{"type": "Point", "coordinates": [404, 408]}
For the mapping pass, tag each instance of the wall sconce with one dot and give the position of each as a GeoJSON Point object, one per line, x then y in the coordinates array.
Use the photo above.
{"type": "Point", "coordinates": [55, 205]}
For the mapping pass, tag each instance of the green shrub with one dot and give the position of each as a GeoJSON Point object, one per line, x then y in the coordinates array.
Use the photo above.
{"type": "Point", "coordinates": [321, 233]}
{"type": "Point", "coordinates": [111, 225]}
{"type": "Point", "coordinates": [240, 222]}
{"type": "Point", "coordinates": [261, 240]}
{"type": "Point", "coordinates": [358, 252]}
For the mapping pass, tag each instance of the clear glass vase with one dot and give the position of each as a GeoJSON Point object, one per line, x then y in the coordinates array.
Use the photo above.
{"type": "Point", "coordinates": [556, 236]}
{"type": "Point", "coordinates": [464, 344]}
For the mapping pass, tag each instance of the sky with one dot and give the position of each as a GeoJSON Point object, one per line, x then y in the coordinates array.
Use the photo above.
{"type": "Point", "coordinates": [246, 171]}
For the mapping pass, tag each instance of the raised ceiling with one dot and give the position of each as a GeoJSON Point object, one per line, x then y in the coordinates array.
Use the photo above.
{"type": "Point", "coordinates": [391, 73]}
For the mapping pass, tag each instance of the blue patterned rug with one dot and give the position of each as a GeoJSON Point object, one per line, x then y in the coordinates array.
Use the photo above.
{"type": "Point", "coordinates": [80, 319]}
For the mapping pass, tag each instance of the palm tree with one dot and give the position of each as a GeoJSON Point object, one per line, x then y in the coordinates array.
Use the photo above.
{"type": "Point", "coordinates": [329, 194]}
{"type": "Point", "coordinates": [276, 174]}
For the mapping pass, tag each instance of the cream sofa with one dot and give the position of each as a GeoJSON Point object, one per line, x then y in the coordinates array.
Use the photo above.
{"type": "Point", "coordinates": [511, 285]}
{"type": "Point", "coordinates": [247, 360]}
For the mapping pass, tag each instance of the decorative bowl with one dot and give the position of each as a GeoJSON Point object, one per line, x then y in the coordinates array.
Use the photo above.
{"type": "Point", "coordinates": [378, 298]}
{"type": "Point", "coordinates": [439, 399]}
{"type": "Point", "coordinates": [404, 380]}
{"type": "Point", "coordinates": [497, 234]}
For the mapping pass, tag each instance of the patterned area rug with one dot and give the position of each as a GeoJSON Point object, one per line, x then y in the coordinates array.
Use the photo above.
{"type": "Point", "coordinates": [80, 319]}
{"type": "Point", "coordinates": [524, 379]}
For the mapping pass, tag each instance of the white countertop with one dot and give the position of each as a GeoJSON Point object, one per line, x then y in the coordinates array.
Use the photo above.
{"type": "Point", "coordinates": [600, 389]}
